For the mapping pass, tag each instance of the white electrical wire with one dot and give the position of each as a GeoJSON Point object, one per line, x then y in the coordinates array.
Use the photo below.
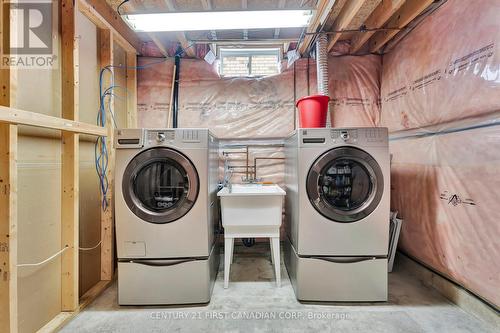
{"type": "Point", "coordinates": [90, 248]}
{"type": "Point", "coordinates": [46, 260]}
{"type": "Point", "coordinates": [57, 254]}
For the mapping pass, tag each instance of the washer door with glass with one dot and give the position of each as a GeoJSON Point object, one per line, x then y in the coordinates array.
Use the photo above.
{"type": "Point", "coordinates": [345, 184]}
{"type": "Point", "coordinates": [160, 185]}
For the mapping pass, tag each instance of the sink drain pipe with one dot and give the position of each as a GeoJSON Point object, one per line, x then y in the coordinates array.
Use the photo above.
{"type": "Point", "coordinates": [248, 242]}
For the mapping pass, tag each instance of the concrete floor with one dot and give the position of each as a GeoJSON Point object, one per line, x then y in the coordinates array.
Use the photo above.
{"type": "Point", "coordinates": [254, 304]}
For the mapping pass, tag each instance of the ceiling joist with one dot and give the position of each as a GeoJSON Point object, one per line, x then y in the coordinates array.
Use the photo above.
{"type": "Point", "coordinates": [187, 47]}
{"type": "Point", "coordinates": [323, 11]}
{"type": "Point", "coordinates": [281, 5]}
{"type": "Point", "coordinates": [409, 11]}
{"type": "Point", "coordinates": [244, 6]}
{"type": "Point", "coordinates": [347, 13]}
{"type": "Point", "coordinates": [207, 5]}
{"type": "Point", "coordinates": [377, 19]}
{"type": "Point", "coordinates": [113, 19]}
{"type": "Point", "coordinates": [340, 18]}
{"type": "Point", "coordinates": [132, 6]}
{"type": "Point", "coordinates": [159, 44]}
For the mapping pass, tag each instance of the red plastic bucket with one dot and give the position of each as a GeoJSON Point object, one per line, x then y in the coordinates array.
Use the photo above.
{"type": "Point", "coordinates": [313, 111]}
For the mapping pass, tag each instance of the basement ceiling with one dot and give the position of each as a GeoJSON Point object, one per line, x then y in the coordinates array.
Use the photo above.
{"type": "Point", "coordinates": [341, 15]}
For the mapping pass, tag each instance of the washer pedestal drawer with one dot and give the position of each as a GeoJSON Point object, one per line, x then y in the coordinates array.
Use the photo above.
{"type": "Point", "coordinates": [336, 279]}
{"type": "Point", "coordinates": [170, 281]}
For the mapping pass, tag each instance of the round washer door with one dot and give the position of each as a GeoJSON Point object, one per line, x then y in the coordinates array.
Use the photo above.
{"type": "Point", "coordinates": [160, 185]}
{"type": "Point", "coordinates": [345, 184]}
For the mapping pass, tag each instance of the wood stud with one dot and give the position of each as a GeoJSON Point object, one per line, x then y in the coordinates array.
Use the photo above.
{"type": "Point", "coordinates": [70, 158]}
{"type": "Point", "coordinates": [107, 254]}
{"type": "Point", "coordinates": [131, 90]}
{"type": "Point", "coordinates": [8, 228]}
{"type": "Point", "coordinates": [8, 196]}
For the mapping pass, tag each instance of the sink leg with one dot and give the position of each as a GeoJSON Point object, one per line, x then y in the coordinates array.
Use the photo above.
{"type": "Point", "coordinates": [228, 254]}
{"type": "Point", "coordinates": [276, 259]}
{"type": "Point", "coordinates": [271, 246]}
{"type": "Point", "coordinates": [232, 250]}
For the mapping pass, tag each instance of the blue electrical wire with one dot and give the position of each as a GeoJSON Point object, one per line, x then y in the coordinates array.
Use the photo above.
{"type": "Point", "coordinates": [101, 154]}
{"type": "Point", "coordinates": [100, 147]}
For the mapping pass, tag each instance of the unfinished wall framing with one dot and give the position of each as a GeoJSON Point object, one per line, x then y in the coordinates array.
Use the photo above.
{"type": "Point", "coordinates": [43, 130]}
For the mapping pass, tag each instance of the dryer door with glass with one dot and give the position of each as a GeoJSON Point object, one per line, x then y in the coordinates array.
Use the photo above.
{"type": "Point", "coordinates": [345, 184]}
{"type": "Point", "coordinates": [160, 185]}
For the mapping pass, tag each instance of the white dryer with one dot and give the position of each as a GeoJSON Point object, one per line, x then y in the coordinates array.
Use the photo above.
{"type": "Point", "coordinates": [166, 215]}
{"type": "Point", "coordinates": [337, 213]}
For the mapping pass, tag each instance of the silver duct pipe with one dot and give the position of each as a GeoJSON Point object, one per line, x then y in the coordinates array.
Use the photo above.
{"type": "Point", "coordinates": [322, 64]}
{"type": "Point", "coordinates": [322, 68]}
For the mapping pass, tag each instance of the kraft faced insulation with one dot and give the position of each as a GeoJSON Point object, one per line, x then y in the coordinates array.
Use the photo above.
{"type": "Point", "coordinates": [235, 107]}
{"type": "Point", "coordinates": [257, 107]}
{"type": "Point", "coordinates": [442, 80]}
{"type": "Point", "coordinates": [447, 69]}
{"type": "Point", "coordinates": [354, 83]}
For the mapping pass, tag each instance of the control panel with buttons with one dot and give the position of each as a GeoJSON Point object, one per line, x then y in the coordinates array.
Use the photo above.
{"type": "Point", "coordinates": [372, 136]}
{"type": "Point", "coordinates": [159, 137]}
{"type": "Point", "coordinates": [345, 135]}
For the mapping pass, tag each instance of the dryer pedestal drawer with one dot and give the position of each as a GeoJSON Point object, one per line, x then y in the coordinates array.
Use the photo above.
{"type": "Point", "coordinates": [171, 281]}
{"type": "Point", "coordinates": [337, 279]}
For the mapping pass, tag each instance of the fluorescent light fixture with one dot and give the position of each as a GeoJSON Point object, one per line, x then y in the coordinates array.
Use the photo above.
{"type": "Point", "coordinates": [236, 20]}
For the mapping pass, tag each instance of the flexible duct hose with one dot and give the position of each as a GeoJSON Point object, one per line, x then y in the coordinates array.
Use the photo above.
{"type": "Point", "coordinates": [322, 69]}
{"type": "Point", "coordinates": [322, 64]}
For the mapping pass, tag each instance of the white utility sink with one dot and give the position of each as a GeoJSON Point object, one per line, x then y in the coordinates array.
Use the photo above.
{"type": "Point", "coordinates": [251, 189]}
{"type": "Point", "coordinates": [251, 205]}
{"type": "Point", "coordinates": [251, 211]}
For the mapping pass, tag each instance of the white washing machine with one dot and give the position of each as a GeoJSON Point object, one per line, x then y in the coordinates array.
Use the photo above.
{"type": "Point", "coordinates": [166, 215]}
{"type": "Point", "coordinates": [337, 213]}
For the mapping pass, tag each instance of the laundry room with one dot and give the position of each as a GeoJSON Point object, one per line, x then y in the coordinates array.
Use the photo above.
{"type": "Point", "coordinates": [249, 166]}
